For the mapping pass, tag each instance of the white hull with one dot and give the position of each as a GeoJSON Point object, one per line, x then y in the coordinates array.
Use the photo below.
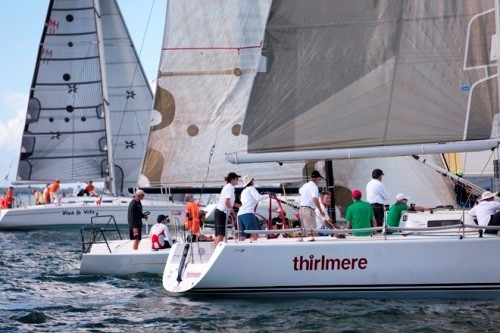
{"type": "Point", "coordinates": [445, 264]}
{"type": "Point", "coordinates": [122, 259]}
{"type": "Point", "coordinates": [77, 213]}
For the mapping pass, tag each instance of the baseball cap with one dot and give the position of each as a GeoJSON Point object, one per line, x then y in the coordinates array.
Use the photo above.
{"type": "Point", "coordinates": [356, 194]}
{"type": "Point", "coordinates": [401, 196]}
{"type": "Point", "coordinates": [161, 217]}
{"type": "Point", "coordinates": [316, 174]}
{"type": "Point", "coordinates": [232, 175]}
{"type": "Point", "coordinates": [377, 173]}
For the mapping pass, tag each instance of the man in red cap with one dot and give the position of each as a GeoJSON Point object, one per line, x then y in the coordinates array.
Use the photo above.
{"type": "Point", "coordinates": [360, 215]}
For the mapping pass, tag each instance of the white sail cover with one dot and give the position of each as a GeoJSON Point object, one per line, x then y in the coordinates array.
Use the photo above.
{"type": "Point", "coordinates": [86, 62]}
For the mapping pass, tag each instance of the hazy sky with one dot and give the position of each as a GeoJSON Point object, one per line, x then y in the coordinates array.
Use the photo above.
{"type": "Point", "coordinates": [21, 23]}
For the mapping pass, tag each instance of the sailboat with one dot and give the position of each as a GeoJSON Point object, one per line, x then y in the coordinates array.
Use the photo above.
{"type": "Point", "coordinates": [330, 80]}
{"type": "Point", "coordinates": [88, 117]}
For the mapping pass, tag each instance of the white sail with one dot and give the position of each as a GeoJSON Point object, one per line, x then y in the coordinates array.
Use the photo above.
{"type": "Point", "coordinates": [374, 76]}
{"type": "Point", "coordinates": [210, 56]}
{"type": "Point", "coordinates": [241, 75]}
{"type": "Point", "coordinates": [86, 64]}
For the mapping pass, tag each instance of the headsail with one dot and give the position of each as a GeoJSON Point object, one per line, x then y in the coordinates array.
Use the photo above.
{"type": "Point", "coordinates": [343, 75]}
{"type": "Point", "coordinates": [86, 63]}
{"type": "Point", "coordinates": [210, 56]}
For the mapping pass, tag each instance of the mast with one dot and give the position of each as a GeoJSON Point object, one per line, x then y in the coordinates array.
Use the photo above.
{"type": "Point", "coordinates": [107, 116]}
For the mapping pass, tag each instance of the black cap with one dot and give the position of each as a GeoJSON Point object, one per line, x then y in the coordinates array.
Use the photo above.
{"type": "Point", "coordinates": [161, 217]}
{"type": "Point", "coordinates": [377, 173]}
{"type": "Point", "coordinates": [316, 174]}
{"type": "Point", "coordinates": [231, 176]}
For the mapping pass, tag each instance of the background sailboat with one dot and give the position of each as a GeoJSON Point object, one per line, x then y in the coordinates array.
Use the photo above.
{"type": "Point", "coordinates": [88, 114]}
{"type": "Point", "coordinates": [89, 101]}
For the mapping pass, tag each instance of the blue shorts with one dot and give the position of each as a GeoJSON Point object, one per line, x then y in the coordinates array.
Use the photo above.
{"type": "Point", "coordinates": [247, 222]}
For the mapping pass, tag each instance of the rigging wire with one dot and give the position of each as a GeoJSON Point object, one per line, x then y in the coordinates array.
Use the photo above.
{"type": "Point", "coordinates": [136, 69]}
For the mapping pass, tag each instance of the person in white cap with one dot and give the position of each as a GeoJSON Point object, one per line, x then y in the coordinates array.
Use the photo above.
{"type": "Point", "coordinates": [487, 211]}
{"type": "Point", "coordinates": [401, 205]}
{"type": "Point", "coordinates": [246, 216]}
{"type": "Point", "coordinates": [135, 216]}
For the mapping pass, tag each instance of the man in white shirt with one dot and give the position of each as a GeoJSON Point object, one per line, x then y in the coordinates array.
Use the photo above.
{"type": "Point", "coordinates": [309, 201]}
{"type": "Point", "coordinates": [377, 195]}
{"type": "Point", "coordinates": [225, 206]}
{"type": "Point", "coordinates": [78, 191]}
{"type": "Point", "coordinates": [487, 211]}
{"type": "Point", "coordinates": [159, 234]}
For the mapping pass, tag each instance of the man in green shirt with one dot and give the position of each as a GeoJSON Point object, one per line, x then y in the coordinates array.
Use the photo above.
{"type": "Point", "coordinates": [360, 215]}
{"type": "Point", "coordinates": [401, 205]}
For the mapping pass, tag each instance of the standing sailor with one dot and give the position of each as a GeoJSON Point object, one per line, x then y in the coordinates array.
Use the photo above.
{"type": "Point", "coordinates": [377, 195]}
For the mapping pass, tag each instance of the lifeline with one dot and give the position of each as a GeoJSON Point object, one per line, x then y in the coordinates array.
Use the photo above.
{"type": "Point", "coordinates": [325, 264]}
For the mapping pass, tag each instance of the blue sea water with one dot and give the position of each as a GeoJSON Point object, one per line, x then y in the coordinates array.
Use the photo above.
{"type": "Point", "coordinates": [42, 291]}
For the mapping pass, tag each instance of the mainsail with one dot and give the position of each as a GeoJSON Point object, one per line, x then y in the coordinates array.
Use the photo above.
{"type": "Point", "coordinates": [343, 76]}
{"type": "Point", "coordinates": [90, 102]}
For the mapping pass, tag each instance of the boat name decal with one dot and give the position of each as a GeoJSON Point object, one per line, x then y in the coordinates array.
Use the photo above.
{"type": "Point", "coordinates": [192, 275]}
{"type": "Point", "coordinates": [328, 264]}
{"type": "Point", "coordinates": [79, 212]}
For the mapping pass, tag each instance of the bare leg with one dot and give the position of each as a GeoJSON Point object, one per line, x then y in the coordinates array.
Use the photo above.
{"type": "Point", "coordinates": [136, 244]}
{"type": "Point", "coordinates": [218, 239]}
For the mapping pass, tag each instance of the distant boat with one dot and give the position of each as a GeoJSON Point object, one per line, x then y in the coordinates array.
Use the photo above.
{"type": "Point", "coordinates": [322, 80]}
{"type": "Point", "coordinates": [88, 117]}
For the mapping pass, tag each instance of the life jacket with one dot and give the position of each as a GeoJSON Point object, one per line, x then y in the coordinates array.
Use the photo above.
{"type": "Point", "coordinates": [54, 187]}
{"type": "Point", "coordinates": [3, 203]}
{"type": "Point", "coordinates": [46, 195]}
{"type": "Point", "coordinates": [155, 240]}
{"type": "Point", "coordinates": [192, 224]}
{"type": "Point", "coordinates": [9, 196]}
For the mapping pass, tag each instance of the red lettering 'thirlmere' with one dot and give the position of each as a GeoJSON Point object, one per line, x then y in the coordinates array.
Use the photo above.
{"type": "Point", "coordinates": [328, 264]}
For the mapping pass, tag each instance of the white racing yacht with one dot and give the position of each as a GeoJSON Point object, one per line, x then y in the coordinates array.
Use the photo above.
{"type": "Point", "coordinates": [415, 261]}
{"type": "Point", "coordinates": [362, 84]}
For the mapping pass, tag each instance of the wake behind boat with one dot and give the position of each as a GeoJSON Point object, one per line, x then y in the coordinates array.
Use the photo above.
{"type": "Point", "coordinates": [415, 262]}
